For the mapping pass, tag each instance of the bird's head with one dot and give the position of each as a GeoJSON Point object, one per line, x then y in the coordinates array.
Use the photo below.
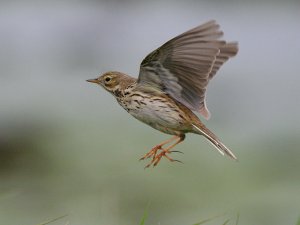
{"type": "Point", "coordinates": [113, 81]}
{"type": "Point", "coordinates": [109, 80]}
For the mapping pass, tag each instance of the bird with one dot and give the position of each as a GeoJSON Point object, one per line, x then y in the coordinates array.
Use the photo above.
{"type": "Point", "coordinates": [171, 87]}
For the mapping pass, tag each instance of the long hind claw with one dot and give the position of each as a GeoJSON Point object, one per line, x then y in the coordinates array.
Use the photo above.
{"type": "Point", "coordinates": [175, 160]}
{"type": "Point", "coordinates": [156, 159]}
{"type": "Point", "coordinates": [177, 152]}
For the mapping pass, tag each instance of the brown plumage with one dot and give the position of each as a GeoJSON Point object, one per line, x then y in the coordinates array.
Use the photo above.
{"type": "Point", "coordinates": [172, 83]}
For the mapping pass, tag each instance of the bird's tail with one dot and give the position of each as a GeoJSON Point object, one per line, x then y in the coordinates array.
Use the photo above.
{"type": "Point", "coordinates": [214, 140]}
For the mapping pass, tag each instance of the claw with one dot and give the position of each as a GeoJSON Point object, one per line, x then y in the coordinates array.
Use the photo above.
{"type": "Point", "coordinates": [142, 158]}
{"type": "Point", "coordinates": [155, 164]}
{"type": "Point", "coordinates": [147, 166]}
{"type": "Point", "coordinates": [175, 160]}
{"type": "Point", "coordinates": [177, 151]}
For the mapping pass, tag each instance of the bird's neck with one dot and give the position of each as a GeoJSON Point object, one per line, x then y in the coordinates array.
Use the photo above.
{"type": "Point", "coordinates": [122, 90]}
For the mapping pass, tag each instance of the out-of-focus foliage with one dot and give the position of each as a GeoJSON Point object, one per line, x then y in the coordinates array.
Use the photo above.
{"type": "Point", "coordinates": [66, 147]}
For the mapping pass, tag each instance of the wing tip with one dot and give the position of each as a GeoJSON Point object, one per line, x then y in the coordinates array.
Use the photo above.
{"type": "Point", "coordinates": [205, 112]}
{"type": "Point", "coordinates": [230, 48]}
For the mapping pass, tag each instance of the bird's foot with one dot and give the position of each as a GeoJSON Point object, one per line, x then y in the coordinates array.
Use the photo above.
{"type": "Point", "coordinates": [152, 153]}
{"type": "Point", "coordinates": [156, 159]}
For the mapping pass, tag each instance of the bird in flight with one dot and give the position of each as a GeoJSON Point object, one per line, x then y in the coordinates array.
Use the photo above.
{"type": "Point", "coordinates": [171, 86]}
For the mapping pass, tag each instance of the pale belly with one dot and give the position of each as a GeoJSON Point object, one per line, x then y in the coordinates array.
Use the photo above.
{"type": "Point", "coordinates": [160, 115]}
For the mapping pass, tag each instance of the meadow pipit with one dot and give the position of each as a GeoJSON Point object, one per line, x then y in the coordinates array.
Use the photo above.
{"type": "Point", "coordinates": [172, 83]}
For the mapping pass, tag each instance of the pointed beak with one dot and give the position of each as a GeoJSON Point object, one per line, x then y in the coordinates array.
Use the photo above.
{"type": "Point", "coordinates": [93, 81]}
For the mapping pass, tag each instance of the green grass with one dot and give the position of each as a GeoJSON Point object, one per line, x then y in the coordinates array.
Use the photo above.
{"type": "Point", "coordinates": [298, 222]}
{"type": "Point", "coordinates": [226, 222]}
{"type": "Point", "coordinates": [145, 216]}
{"type": "Point", "coordinates": [207, 220]}
{"type": "Point", "coordinates": [52, 220]}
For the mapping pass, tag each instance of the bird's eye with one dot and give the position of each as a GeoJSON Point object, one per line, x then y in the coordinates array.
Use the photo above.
{"type": "Point", "coordinates": [107, 79]}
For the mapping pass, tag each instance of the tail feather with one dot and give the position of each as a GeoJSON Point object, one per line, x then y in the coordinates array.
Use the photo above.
{"type": "Point", "coordinates": [214, 141]}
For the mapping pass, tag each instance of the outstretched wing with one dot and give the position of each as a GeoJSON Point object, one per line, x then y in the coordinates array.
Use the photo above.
{"type": "Point", "coordinates": [226, 51]}
{"type": "Point", "coordinates": [183, 66]}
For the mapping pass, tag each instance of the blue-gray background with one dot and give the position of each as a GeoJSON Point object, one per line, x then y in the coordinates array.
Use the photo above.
{"type": "Point", "coordinates": [66, 147]}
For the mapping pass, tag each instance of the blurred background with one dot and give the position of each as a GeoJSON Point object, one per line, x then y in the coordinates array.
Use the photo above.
{"type": "Point", "coordinates": [67, 147]}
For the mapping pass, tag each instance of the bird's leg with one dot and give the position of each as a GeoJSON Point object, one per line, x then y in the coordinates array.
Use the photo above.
{"type": "Point", "coordinates": [164, 152]}
{"type": "Point", "coordinates": [153, 151]}
{"type": "Point", "coordinates": [167, 150]}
